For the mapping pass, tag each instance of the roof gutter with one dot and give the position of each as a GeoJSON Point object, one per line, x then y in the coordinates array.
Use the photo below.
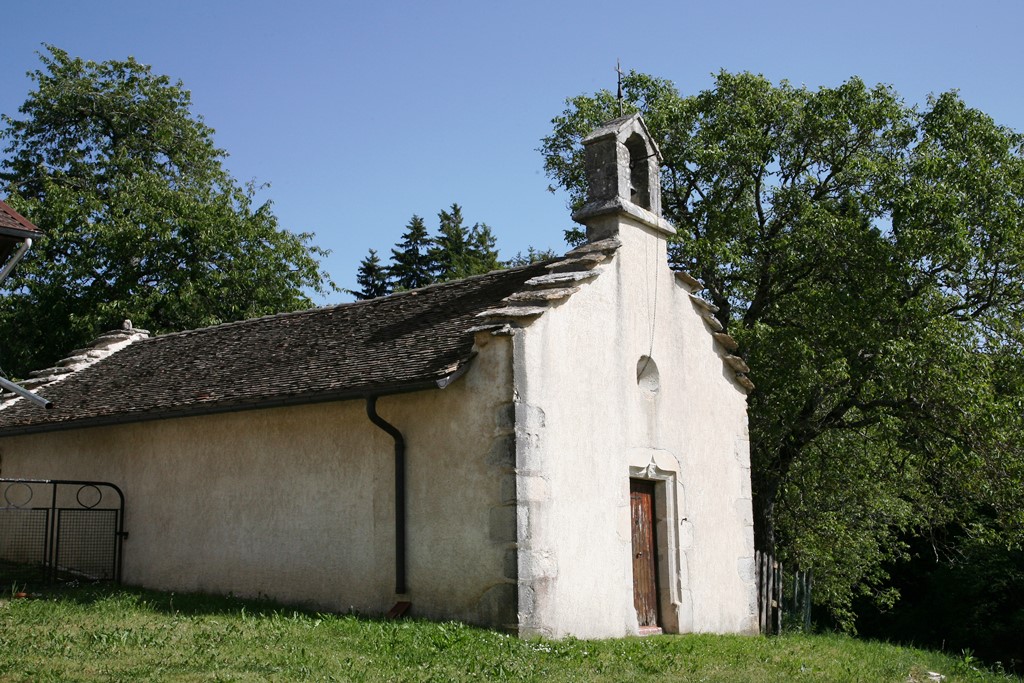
{"type": "Point", "coordinates": [239, 406]}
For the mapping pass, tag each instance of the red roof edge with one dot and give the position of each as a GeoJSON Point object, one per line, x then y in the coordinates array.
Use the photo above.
{"type": "Point", "coordinates": [15, 220]}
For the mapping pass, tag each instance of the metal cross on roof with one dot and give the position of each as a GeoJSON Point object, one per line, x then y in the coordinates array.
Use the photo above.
{"type": "Point", "coordinates": [618, 70]}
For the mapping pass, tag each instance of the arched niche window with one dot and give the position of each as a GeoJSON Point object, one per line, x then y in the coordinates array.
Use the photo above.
{"type": "Point", "coordinates": [647, 376]}
{"type": "Point", "coordinates": [639, 175]}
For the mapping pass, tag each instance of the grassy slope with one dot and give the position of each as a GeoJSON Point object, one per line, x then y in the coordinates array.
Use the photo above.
{"type": "Point", "coordinates": [109, 633]}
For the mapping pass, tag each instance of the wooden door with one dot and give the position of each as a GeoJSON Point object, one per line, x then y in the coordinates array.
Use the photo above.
{"type": "Point", "coordinates": [645, 557]}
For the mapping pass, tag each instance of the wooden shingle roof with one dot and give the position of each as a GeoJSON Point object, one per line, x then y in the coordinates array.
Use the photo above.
{"type": "Point", "coordinates": [14, 228]}
{"type": "Point", "coordinates": [13, 224]}
{"type": "Point", "coordinates": [403, 342]}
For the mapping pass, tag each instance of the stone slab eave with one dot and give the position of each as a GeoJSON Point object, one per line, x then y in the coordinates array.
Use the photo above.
{"type": "Point", "coordinates": [706, 310]}
{"type": "Point", "coordinates": [618, 206]}
{"type": "Point", "coordinates": [543, 292]}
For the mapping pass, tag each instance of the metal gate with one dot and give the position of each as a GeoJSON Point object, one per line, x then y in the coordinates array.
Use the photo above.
{"type": "Point", "coordinates": [75, 527]}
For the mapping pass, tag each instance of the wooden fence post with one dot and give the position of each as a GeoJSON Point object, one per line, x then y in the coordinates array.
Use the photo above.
{"type": "Point", "coordinates": [770, 592]}
{"type": "Point", "coordinates": [779, 583]}
{"type": "Point", "coordinates": [808, 579]}
{"type": "Point", "coordinates": [762, 591]}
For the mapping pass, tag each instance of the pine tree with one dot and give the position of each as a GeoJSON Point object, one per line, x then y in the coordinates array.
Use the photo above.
{"type": "Point", "coordinates": [459, 251]}
{"type": "Point", "coordinates": [483, 255]}
{"type": "Point", "coordinates": [373, 278]}
{"type": "Point", "coordinates": [411, 265]}
{"type": "Point", "coordinates": [450, 253]}
{"type": "Point", "coordinates": [419, 259]}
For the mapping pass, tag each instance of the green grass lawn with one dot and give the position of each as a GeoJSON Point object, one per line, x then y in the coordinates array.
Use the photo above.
{"type": "Point", "coordinates": [110, 633]}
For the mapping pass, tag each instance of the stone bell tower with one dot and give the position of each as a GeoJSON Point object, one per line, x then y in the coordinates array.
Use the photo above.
{"type": "Point", "coordinates": [622, 163]}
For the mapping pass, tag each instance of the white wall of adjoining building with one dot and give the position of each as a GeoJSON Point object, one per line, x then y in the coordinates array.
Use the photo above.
{"type": "Point", "coordinates": [296, 503]}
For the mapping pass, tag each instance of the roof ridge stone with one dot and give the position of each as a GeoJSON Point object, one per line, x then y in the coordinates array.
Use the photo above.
{"type": "Point", "coordinates": [106, 344]}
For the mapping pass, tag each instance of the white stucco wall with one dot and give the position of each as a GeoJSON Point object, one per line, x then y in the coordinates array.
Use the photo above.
{"type": "Point", "coordinates": [585, 427]}
{"type": "Point", "coordinates": [296, 503]}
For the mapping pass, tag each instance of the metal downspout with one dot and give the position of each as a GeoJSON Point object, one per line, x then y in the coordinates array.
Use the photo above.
{"type": "Point", "coordinates": [25, 393]}
{"type": "Point", "coordinates": [9, 266]}
{"type": "Point", "coordinates": [4, 382]}
{"type": "Point", "coordinates": [371, 412]}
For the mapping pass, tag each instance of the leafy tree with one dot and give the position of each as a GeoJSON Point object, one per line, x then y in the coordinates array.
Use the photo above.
{"type": "Point", "coordinates": [373, 278]}
{"type": "Point", "coordinates": [411, 265]}
{"type": "Point", "coordinates": [141, 219]}
{"type": "Point", "coordinates": [868, 257]}
{"type": "Point", "coordinates": [981, 609]}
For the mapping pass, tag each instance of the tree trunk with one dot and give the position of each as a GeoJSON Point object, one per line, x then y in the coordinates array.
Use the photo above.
{"type": "Point", "coordinates": [765, 491]}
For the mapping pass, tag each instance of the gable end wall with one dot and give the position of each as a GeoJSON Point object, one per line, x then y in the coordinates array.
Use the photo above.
{"type": "Point", "coordinates": [585, 426]}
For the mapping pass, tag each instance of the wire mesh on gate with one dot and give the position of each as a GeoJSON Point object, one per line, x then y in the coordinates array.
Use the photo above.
{"type": "Point", "coordinates": [68, 526]}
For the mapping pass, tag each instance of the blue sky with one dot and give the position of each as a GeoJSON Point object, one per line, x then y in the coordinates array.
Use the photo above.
{"type": "Point", "coordinates": [361, 114]}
